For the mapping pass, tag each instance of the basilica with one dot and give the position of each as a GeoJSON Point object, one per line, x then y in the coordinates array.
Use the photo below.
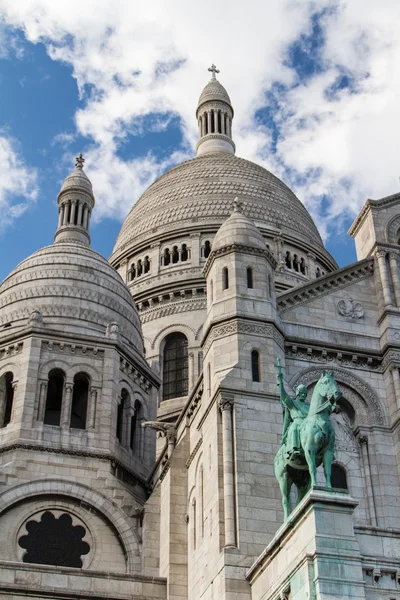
{"type": "Point", "coordinates": [139, 410]}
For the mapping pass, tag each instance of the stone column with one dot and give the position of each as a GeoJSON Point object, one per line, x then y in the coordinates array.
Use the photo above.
{"type": "Point", "coordinates": [65, 215]}
{"type": "Point", "coordinates": [42, 401]}
{"type": "Point", "coordinates": [80, 211]}
{"type": "Point", "coordinates": [60, 215]}
{"type": "Point", "coordinates": [394, 269]}
{"type": "Point", "coordinates": [363, 440]}
{"type": "Point", "coordinates": [85, 216]}
{"type": "Point", "coordinates": [73, 211]}
{"type": "Point", "coordinates": [66, 406]}
{"type": "Point", "coordinates": [222, 122]}
{"type": "Point", "coordinates": [91, 417]}
{"type": "Point", "coordinates": [226, 407]}
{"type": "Point", "coordinates": [396, 384]}
{"type": "Point", "coordinates": [200, 127]}
{"type": "Point", "coordinates": [384, 274]}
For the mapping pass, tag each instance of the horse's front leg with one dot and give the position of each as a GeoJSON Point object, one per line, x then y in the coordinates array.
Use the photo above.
{"type": "Point", "coordinates": [327, 462]}
{"type": "Point", "coordinates": [310, 454]}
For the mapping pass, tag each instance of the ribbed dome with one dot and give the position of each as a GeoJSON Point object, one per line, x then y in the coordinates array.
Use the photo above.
{"type": "Point", "coordinates": [74, 288]}
{"type": "Point", "coordinates": [204, 189]}
{"type": "Point", "coordinates": [238, 229]}
{"type": "Point", "coordinates": [77, 179]}
{"type": "Point", "coordinates": [214, 91]}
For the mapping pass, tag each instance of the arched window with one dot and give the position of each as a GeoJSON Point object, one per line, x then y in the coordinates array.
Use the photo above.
{"type": "Point", "coordinates": [205, 121]}
{"type": "Point", "coordinates": [54, 397]}
{"type": "Point", "coordinates": [139, 268]}
{"type": "Point", "coordinates": [288, 260]}
{"type": "Point", "coordinates": [175, 255]}
{"type": "Point", "coordinates": [249, 277]}
{"type": "Point", "coordinates": [255, 365]}
{"type": "Point", "coordinates": [303, 267]}
{"type": "Point", "coordinates": [136, 418]}
{"type": "Point", "coordinates": [339, 477]}
{"type": "Point", "coordinates": [120, 414]}
{"type": "Point", "coordinates": [132, 272]}
{"type": "Point", "coordinates": [80, 397]}
{"type": "Point", "coordinates": [146, 264]}
{"type": "Point", "coordinates": [225, 278]}
{"type": "Point", "coordinates": [175, 366]}
{"type": "Point", "coordinates": [167, 257]}
{"type": "Point", "coordinates": [6, 398]}
{"type": "Point", "coordinates": [184, 253]}
{"type": "Point", "coordinates": [295, 262]}
{"type": "Point", "coordinates": [207, 248]}
{"type": "Point", "coordinates": [318, 272]}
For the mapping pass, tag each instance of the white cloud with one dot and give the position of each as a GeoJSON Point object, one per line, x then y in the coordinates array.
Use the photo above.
{"type": "Point", "coordinates": [18, 182]}
{"type": "Point", "coordinates": [133, 59]}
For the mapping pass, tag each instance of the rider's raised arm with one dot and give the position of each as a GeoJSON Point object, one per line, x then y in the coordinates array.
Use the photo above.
{"type": "Point", "coordinates": [285, 398]}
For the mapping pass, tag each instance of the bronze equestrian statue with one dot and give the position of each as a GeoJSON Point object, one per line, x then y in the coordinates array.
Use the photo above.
{"type": "Point", "coordinates": [308, 437]}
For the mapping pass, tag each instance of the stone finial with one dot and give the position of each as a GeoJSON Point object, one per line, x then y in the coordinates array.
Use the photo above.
{"type": "Point", "coordinates": [213, 70]}
{"type": "Point", "coordinates": [237, 205]}
{"type": "Point", "coordinates": [79, 161]}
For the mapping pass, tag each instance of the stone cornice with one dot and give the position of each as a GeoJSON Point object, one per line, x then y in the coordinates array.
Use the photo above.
{"type": "Point", "coordinates": [171, 307]}
{"type": "Point", "coordinates": [235, 325]}
{"type": "Point", "coordinates": [370, 205]}
{"type": "Point", "coordinates": [328, 356]}
{"type": "Point", "coordinates": [325, 285]}
{"type": "Point", "coordinates": [238, 248]}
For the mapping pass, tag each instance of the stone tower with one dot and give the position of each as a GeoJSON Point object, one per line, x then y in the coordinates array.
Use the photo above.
{"type": "Point", "coordinates": [75, 389]}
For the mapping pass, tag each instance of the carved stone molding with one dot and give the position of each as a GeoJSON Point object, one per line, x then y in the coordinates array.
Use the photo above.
{"type": "Point", "coordinates": [134, 374]}
{"type": "Point", "coordinates": [72, 349]}
{"type": "Point", "coordinates": [311, 375]}
{"type": "Point", "coordinates": [392, 230]}
{"type": "Point", "coordinates": [235, 326]}
{"type": "Point", "coordinates": [10, 350]}
{"type": "Point", "coordinates": [194, 452]}
{"type": "Point", "coordinates": [325, 285]}
{"type": "Point", "coordinates": [329, 356]}
{"type": "Point", "coordinates": [172, 307]}
{"type": "Point", "coordinates": [239, 248]}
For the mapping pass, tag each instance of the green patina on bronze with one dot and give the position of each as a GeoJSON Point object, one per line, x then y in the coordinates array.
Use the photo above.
{"type": "Point", "coordinates": [308, 437]}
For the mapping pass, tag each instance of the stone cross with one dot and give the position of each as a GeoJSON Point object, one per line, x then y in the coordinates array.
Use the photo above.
{"type": "Point", "coordinates": [79, 161]}
{"type": "Point", "coordinates": [213, 69]}
{"type": "Point", "coordinates": [237, 205]}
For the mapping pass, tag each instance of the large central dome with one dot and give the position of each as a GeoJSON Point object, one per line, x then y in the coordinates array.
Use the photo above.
{"type": "Point", "coordinates": [204, 188]}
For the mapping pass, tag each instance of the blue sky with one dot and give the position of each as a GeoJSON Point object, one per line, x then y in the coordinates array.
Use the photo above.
{"type": "Point", "coordinates": [315, 88]}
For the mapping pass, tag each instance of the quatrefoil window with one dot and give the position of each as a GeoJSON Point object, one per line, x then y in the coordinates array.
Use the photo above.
{"type": "Point", "coordinates": [54, 541]}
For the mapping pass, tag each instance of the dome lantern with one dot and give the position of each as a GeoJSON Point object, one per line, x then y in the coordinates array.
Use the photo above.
{"type": "Point", "coordinates": [75, 204]}
{"type": "Point", "coordinates": [214, 116]}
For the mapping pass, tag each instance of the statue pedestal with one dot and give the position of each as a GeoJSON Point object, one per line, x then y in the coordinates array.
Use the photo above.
{"type": "Point", "coordinates": [314, 555]}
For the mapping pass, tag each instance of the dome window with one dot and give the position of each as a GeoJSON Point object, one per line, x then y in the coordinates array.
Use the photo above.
{"type": "Point", "coordinates": [124, 401]}
{"type": "Point", "coordinates": [303, 268]}
{"type": "Point", "coordinates": [132, 272]}
{"type": "Point", "coordinates": [80, 397]}
{"type": "Point", "coordinates": [146, 264]}
{"type": "Point", "coordinates": [184, 253]}
{"type": "Point", "coordinates": [249, 277]}
{"type": "Point", "coordinates": [175, 255]}
{"type": "Point", "coordinates": [6, 398]}
{"type": "Point", "coordinates": [139, 268]}
{"type": "Point", "coordinates": [318, 272]}
{"type": "Point", "coordinates": [206, 249]}
{"type": "Point", "coordinates": [54, 397]}
{"type": "Point", "coordinates": [175, 366]}
{"type": "Point", "coordinates": [167, 257]}
{"type": "Point", "coordinates": [255, 365]}
{"type": "Point", "coordinates": [225, 278]}
{"type": "Point", "coordinates": [288, 260]}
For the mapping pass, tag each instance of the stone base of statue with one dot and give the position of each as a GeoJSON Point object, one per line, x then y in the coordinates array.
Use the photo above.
{"type": "Point", "coordinates": [314, 555]}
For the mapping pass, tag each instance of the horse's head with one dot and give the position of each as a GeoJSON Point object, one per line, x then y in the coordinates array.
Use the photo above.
{"type": "Point", "coordinates": [328, 389]}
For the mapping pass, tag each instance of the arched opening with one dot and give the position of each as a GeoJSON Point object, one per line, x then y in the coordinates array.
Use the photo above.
{"type": "Point", "coordinates": [80, 396]}
{"type": "Point", "coordinates": [6, 397]}
{"type": "Point", "coordinates": [175, 366]}
{"type": "Point", "coordinates": [132, 273]}
{"type": "Point", "coordinates": [205, 120]}
{"type": "Point", "coordinates": [296, 263]}
{"type": "Point", "coordinates": [219, 122]}
{"type": "Point", "coordinates": [175, 255]}
{"type": "Point", "coordinates": [120, 414]}
{"type": "Point", "coordinates": [207, 248]}
{"type": "Point", "coordinates": [212, 121]}
{"type": "Point", "coordinates": [184, 253]}
{"type": "Point", "coordinates": [146, 264]}
{"type": "Point", "coordinates": [139, 268]}
{"type": "Point", "coordinates": [167, 257]}
{"type": "Point", "coordinates": [225, 278]}
{"type": "Point", "coordinates": [303, 268]}
{"type": "Point", "coordinates": [255, 365]}
{"type": "Point", "coordinates": [54, 397]}
{"type": "Point", "coordinates": [249, 277]}
{"type": "Point", "coordinates": [339, 477]}
{"type": "Point", "coordinates": [76, 213]}
{"type": "Point", "coordinates": [318, 272]}
{"type": "Point", "coordinates": [288, 260]}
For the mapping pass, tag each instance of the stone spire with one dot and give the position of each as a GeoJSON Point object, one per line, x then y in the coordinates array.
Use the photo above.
{"type": "Point", "coordinates": [75, 204]}
{"type": "Point", "coordinates": [214, 116]}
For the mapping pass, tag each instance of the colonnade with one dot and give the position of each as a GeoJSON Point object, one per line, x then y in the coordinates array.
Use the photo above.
{"type": "Point", "coordinates": [74, 212]}
{"type": "Point", "coordinates": [215, 121]}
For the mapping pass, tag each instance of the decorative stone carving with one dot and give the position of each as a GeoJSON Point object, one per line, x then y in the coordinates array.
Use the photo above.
{"type": "Point", "coordinates": [349, 308]}
{"type": "Point", "coordinates": [112, 330]}
{"type": "Point", "coordinates": [36, 318]}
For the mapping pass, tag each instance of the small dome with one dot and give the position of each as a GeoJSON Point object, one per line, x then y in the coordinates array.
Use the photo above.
{"type": "Point", "coordinates": [238, 229]}
{"type": "Point", "coordinates": [77, 180]}
{"type": "Point", "coordinates": [74, 289]}
{"type": "Point", "coordinates": [214, 91]}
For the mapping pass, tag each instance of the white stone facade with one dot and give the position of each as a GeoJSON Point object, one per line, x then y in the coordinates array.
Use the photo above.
{"type": "Point", "coordinates": [194, 511]}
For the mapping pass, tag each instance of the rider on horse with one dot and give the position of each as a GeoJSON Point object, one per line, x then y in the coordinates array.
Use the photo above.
{"type": "Point", "coordinates": [296, 410]}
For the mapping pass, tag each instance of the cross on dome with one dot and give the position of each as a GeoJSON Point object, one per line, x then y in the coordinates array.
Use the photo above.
{"type": "Point", "coordinates": [213, 70]}
{"type": "Point", "coordinates": [237, 205]}
{"type": "Point", "coordinates": [79, 161]}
